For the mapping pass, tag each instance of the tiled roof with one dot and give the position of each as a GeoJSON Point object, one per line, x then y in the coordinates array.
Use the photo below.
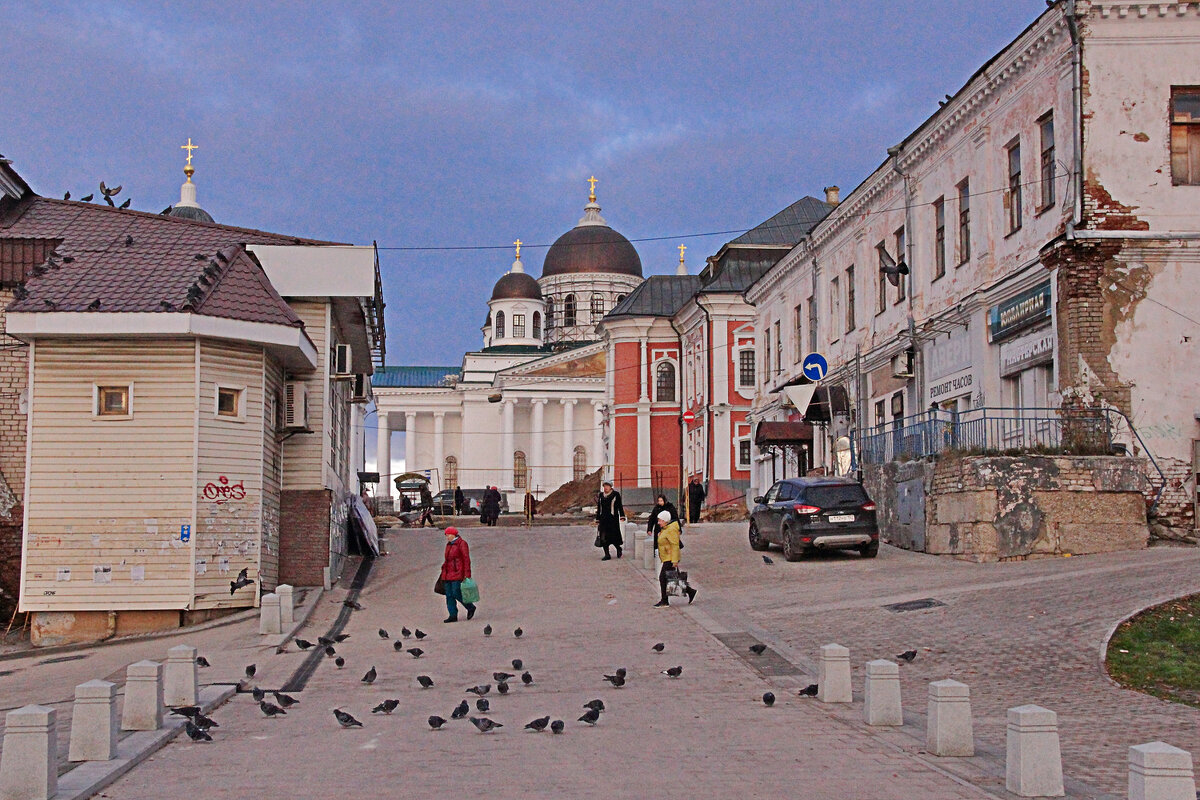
{"type": "Point", "coordinates": [113, 260]}
{"type": "Point", "coordinates": [789, 226]}
{"type": "Point", "coordinates": [658, 296]}
{"type": "Point", "coordinates": [415, 377]}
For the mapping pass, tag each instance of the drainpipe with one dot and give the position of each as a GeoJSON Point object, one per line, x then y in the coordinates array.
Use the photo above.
{"type": "Point", "coordinates": [1076, 117]}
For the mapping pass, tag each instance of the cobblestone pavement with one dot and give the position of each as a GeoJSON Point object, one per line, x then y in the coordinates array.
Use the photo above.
{"type": "Point", "coordinates": [1015, 632]}
{"type": "Point", "coordinates": [705, 735]}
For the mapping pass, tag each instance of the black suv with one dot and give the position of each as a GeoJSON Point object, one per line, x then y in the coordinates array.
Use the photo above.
{"type": "Point", "coordinates": [806, 514]}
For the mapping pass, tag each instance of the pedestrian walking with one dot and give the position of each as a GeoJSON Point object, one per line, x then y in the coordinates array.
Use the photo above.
{"type": "Point", "coordinates": [456, 567]}
{"type": "Point", "coordinates": [661, 504]}
{"type": "Point", "coordinates": [426, 507]}
{"type": "Point", "coordinates": [696, 495]}
{"type": "Point", "coordinates": [489, 509]}
{"type": "Point", "coordinates": [610, 514]}
{"type": "Point", "coordinates": [530, 506]}
{"type": "Point", "coordinates": [668, 554]}
{"type": "Point", "coordinates": [460, 500]}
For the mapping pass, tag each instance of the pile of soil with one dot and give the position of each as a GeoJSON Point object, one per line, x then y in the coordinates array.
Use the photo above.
{"type": "Point", "coordinates": [733, 512]}
{"type": "Point", "coordinates": [572, 496]}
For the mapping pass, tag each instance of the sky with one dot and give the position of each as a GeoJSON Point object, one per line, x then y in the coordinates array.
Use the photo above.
{"type": "Point", "coordinates": [469, 125]}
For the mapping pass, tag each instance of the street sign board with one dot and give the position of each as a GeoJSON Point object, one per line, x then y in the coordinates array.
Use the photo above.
{"type": "Point", "coordinates": [185, 533]}
{"type": "Point", "coordinates": [689, 417]}
{"type": "Point", "coordinates": [814, 367]}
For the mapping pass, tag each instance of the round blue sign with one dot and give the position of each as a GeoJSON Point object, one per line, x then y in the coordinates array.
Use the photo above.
{"type": "Point", "coordinates": [814, 367]}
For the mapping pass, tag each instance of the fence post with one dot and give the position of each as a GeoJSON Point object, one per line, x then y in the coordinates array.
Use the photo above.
{"type": "Point", "coordinates": [29, 762]}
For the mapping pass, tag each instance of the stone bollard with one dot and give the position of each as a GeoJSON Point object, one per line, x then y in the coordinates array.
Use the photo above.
{"type": "Point", "coordinates": [268, 619]}
{"type": "Point", "coordinates": [881, 705]}
{"type": "Point", "coordinates": [1158, 771]}
{"type": "Point", "coordinates": [649, 554]}
{"type": "Point", "coordinates": [949, 731]}
{"type": "Point", "coordinates": [833, 675]}
{"type": "Point", "coordinates": [29, 762]}
{"type": "Point", "coordinates": [287, 605]}
{"type": "Point", "coordinates": [94, 722]}
{"type": "Point", "coordinates": [179, 677]}
{"type": "Point", "coordinates": [1033, 763]}
{"type": "Point", "coordinates": [143, 697]}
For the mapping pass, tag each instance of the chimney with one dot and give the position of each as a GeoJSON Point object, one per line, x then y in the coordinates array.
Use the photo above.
{"type": "Point", "coordinates": [833, 195]}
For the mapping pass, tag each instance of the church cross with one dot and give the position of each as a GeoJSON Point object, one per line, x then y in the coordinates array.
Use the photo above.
{"type": "Point", "coordinates": [682, 247]}
{"type": "Point", "coordinates": [592, 192]}
{"type": "Point", "coordinates": [518, 244]}
{"type": "Point", "coordinates": [189, 147]}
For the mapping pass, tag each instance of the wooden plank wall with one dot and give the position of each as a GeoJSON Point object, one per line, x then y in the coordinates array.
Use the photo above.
{"type": "Point", "coordinates": [272, 470]}
{"type": "Point", "coordinates": [304, 453]}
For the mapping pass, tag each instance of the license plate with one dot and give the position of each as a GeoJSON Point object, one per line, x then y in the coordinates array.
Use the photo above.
{"type": "Point", "coordinates": [841, 518]}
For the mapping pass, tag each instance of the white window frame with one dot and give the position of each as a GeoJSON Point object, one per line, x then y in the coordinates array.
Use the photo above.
{"type": "Point", "coordinates": [240, 416]}
{"type": "Point", "coordinates": [737, 365]}
{"type": "Point", "coordinates": [742, 434]}
{"type": "Point", "coordinates": [654, 378]}
{"type": "Point", "coordinates": [96, 387]}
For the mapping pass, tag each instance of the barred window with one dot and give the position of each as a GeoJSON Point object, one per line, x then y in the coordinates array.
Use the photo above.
{"type": "Point", "coordinates": [520, 471]}
{"type": "Point", "coordinates": [450, 472]}
{"type": "Point", "coordinates": [519, 326]}
{"type": "Point", "coordinates": [579, 466]}
{"type": "Point", "coordinates": [537, 325]}
{"type": "Point", "coordinates": [664, 382]}
{"type": "Point", "coordinates": [597, 307]}
{"type": "Point", "coordinates": [745, 368]}
{"type": "Point", "coordinates": [499, 332]}
{"type": "Point", "coordinates": [569, 310]}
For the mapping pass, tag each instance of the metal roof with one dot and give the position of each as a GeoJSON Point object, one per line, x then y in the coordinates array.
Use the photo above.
{"type": "Point", "coordinates": [789, 226]}
{"type": "Point", "coordinates": [658, 296]}
{"type": "Point", "coordinates": [415, 377]}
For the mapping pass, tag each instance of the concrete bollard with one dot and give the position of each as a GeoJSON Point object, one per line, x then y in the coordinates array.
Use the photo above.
{"type": "Point", "coordinates": [143, 697]}
{"type": "Point", "coordinates": [287, 605]}
{"type": "Point", "coordinates": [882, 694]}
{"type": "Point", "coordinates": [649, 554]}
{"type": "Point", "coordinates": [1158, 771]}
{"type": "Point", "coordinates": [29, 762]}
{"type": "Point", "coordinates": [269, 618]}
{"type": "Point", "coordinates": [179, 677]}
{"type": "Point", "coordinates": [833, 675]}
{"type": "Point", "coordinates": [1033, 763]}
{"type": "Point", "coordinates": [94, 722]}
{"type": "Point", "coordinates": [949, 731]}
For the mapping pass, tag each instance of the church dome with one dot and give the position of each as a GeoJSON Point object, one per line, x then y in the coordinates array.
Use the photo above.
{"type": "Point", "coordinates": [592, 248]}
{"type": "Point", "coordinates": [190, 212]}
{"type": "Point", "coordinates": [516, 285]}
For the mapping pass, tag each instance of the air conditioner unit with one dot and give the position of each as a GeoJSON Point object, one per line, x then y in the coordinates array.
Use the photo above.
{"type": "Point", "coordinates": [295, 410]}
{"type": "Point", "coordinates": [360, 389]}
{"type": "Point", "coordinates": [902, 364]}
{"type": "Point", "coordinates": [341, 362]}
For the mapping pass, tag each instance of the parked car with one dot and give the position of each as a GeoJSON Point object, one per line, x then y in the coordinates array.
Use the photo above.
{"type": "Point", "coordinates": [807, 514]}
{"type": "Point", "coordinates": [443, 502]}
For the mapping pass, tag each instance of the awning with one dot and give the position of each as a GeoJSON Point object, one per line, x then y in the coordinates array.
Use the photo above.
{"type": "Point", "coordinates": [828, 402]}
{"type": "Point", "coordinates": [782, 433]}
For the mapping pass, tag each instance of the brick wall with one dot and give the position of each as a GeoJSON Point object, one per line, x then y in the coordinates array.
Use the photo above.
{"type": "Point", "coordinates": [14, 375]}
{"type": "Point", "coordinates": [304, 536]}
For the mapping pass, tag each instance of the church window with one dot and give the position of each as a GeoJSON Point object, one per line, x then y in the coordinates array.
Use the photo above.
{"type": "Point", "coordinates": [499, 325]}
{"type": "Point", "coordinates": [520, 471]}
{"type": "Point", "coordinates": [746, 368]}
{"type": "Point", "coordinates": [519, 326]}
{"type": "Point", "coordinates": [664, 382]}
{"type": "Point", "coordinates": [579, 467]}
{"type": "Point", "coordinates": [537, 325]}
{"type": "Point", "coordinates": [450, 472]}
{"type": "Point", "coordinates": [620, 297]}
{"type": "Point", "coordinates": [549, 313]}
{"type": "Point", "coordinates": [597, 307]}
{"type": "Point", "coordinates": [569, 310]}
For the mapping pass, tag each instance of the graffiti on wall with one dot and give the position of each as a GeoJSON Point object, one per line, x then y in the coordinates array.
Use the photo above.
{"type": "Point", "coordinates": [222, 491]}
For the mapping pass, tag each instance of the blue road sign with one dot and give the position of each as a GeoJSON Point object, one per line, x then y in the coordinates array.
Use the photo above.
{"type": "Point", "coordinates": [814, 367]}
{"type": "Point", "coordinates": [185, 533]}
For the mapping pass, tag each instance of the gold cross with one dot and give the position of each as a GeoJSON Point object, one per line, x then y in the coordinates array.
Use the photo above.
{"type": "Point", "coordinates": [518, 244]}
{"type": "Point", "coordinates": [682, 247]}
{"type": "Point", "coordinates": [592, 193]}
{"type": "Point", "coordinates": [189, 147]}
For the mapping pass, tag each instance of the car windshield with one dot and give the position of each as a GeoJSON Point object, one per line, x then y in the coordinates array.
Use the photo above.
{"type": "Point", "coordinates": [836, 496]}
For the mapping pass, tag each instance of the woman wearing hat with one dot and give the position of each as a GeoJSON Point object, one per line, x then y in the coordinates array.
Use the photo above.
{"type": "Point", "coordinates": [456, 567]}
{"type": "Point", "coordinates": [668, 554]}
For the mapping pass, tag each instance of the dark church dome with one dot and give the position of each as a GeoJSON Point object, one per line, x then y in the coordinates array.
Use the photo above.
{"type": "Point", "coordinates": [190, 212]}
{"type": "Point", "coordinates": [517, 285]}
{"type": "Point", "coordinates": [592, 248]}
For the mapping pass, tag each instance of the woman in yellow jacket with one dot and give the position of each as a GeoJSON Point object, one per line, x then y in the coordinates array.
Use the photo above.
{"type": "Point", "coordinates": [668, 554]}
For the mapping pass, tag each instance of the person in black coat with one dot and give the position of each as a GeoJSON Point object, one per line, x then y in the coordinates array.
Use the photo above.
{"type": "Point", "coordinates": [489, 510]}
{"type": "Point", "coordinates": [460, 500]}
{"type": "Point", "coordinates": [609, 516]}
{"type": "Point", "coordinates": [661, 504]}
{"type": "Point", "coordinates": [696, 495]}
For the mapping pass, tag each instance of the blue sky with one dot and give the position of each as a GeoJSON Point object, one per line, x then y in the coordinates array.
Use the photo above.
{"type": "Point", "coordinates": [472, 124]}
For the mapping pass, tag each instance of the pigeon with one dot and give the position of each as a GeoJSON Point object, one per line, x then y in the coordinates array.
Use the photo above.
{"type": "Point", "coordinates": [673, 672]}
{"type": "Point", "coordinates": [526, 678]}
{"type": "Point", "coordinates": [109, 200]}
{"type": "Point", "coordinates": [539, 724]}
{"type": "Point", "coordinates": [329, 651]}
{"type": "Point", "coordinates": [460, 710]}
{"type": "Point", "coordinates": [241, 581]}
{"type": "Point", "coordinates": [87, 198]}
{"type": "Point", "coordinates": [658, 648]}
{"type": "Point", "coordinates": [595, 705]}
{"type": "Point", "coordinates": [369, 678]}
{"type": "Point", "coordinates": [405, 632]}
{"type": "Point", "coordinates": [203, 722]}
{"type": "Point", "coordinates": [339, 662]}
{"type": "Point", "coordinates": [518, 663]}
{"type": "Point", "coordinates": [420, 634]}
{"type": "Point", "coordinates": [398, 645]}
{"type": "Point", "coordinates": [768, 699]}
{"type": "Point", "coordinates": [386, 707]}
{"type": "Point", "coordinates": [484, 724]}
{"type": "Point", "coordinates": [383, 634]}
{"type": "Point", "coordinates": [487, 630]}
{"type": "Point", "coordinates": [285, 700]}
{"type": "Point", "coordinates": [185, 711]}
{"type": "Point", "coordinates": [67, 195]}
{"type": "Point", "coordinates": [270, 709]}
{"type": "Point", "coordinates": [480, 690]}
{"type": "Point", "coordinates": [357, 606]}
{"type": "Point", "coordinates": [591, 716]}
{"type": "Point", "coordinates": [502, 688]}
{"type": "Point", "coordinates": [415, 652]}
{"type": "Point", "coordinates": [303, 644]}
{"type": "Point", "coordinates": [68, 259]}
{"type": "Point", "coordinates": [346, 720]}
{"type": "Point", "coordinates": [128, 200]}
{"type": "Point", "coordinates": [809, 691]}
{"type": "Point", "coordinates": [768, 560]}
{"type": "Point", "coordinates": [758, 649]}
{"type": "Point", "coordinates": [128, 240]}
{"type": "Point", "coordinates": [341, 637]}
{"type": "Point", "coordinates": [250, 670]}
{"type": "Point", "coordinates": [196, 733]}
{"type": "Point", "coordinates": [436, 722]}
{"type": "Point", "coordinates": [616, 680]}
{"type": "Point", "coordinates": [258, 694]}
{"type": "Point", "coordinates": [483, 705]}
{"type": "Point", "coordinates": [907, 656]}
{"type": "Point", "coordinates": [425, 681]}
{"type": "Point", "coordinates": [557, 726]}
{"type": "Point", "coordinates": [107, 192]}
{"type": "Point", "coordinates": [325, 640]}
{"type": "Point", "coordinates": [889, 267]}
{"type": "Point", "coordinates": [502, 677]}
{"type": "Point", "coordinates": [199, 256]}
{"type": "Point", "coordinates": [221, 257]}
{"type": "Point", "coordinates": [518, 633]}
{"type": "Point", "coordinates": [201, 661]}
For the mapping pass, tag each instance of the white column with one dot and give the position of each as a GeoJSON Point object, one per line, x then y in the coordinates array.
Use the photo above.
{"type": "Point", "coordinates": [439, 446]}
{"type": "Point", "coordinates": [537, 459]}
{"type": "Point", "coordinates": [598, 434]}
{"type": "Point", "coordinates": [506, 444]}
{"type": "Point", "coordinates": [643, 362]}
{"type": "Point", "coordinates": [410, 441]}
{"type": "Point", "coordinates": [568, 440]}
{"type": "Point", "coordinates": [383, 455]}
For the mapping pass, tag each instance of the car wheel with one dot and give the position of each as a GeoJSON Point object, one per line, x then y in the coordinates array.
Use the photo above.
{"type": "Point", "coordinates": [756, 540]}
{"type": "Point", "coordinates": [869, 550]}
{"type": "Point", "coordinates": [792, 550]}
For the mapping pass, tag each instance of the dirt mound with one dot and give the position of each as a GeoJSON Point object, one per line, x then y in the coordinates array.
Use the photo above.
{"type": "Point", "coordinates": [733, 512]}
{"type": "Point", "coordinates": [572, 496]}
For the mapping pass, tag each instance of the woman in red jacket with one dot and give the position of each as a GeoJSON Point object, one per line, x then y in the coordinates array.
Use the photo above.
{"type": "Point", "coordinates": [455, 567]}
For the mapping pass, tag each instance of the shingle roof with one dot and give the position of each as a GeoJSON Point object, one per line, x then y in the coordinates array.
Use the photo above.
{"type": "Point", "coordinates": [131, 261]}
{"type": "Point", "coordinates": [789, 226]}
{"type": "Point", "coordinates": [415, 377]}
{"type": "Point", "coordinates": [658, 296]}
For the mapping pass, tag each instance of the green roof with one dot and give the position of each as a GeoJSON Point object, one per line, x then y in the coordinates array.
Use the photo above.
{"type": "Point", "coordinates": [418, 377]}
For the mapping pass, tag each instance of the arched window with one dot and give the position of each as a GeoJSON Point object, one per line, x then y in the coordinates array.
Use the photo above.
{"type": "Point", "coordinates": [569, 310]}
{"type": "Point", "coordinates": [664, 382]}
{"type": "Point", "coordinates": [620, 297]}
{"type": "Point", "coordinates": [498, 331]}
{"type": "Point", "coordinates": [579, 466]}
{"type": "Point", "coordinates": [520, 471]}
{"type": "Point", "coordinates": [549, 313]}
{"type": "Point", "coordinates": [537, 324]}
{"type": "Point", "coordinates": [597, 307]}
{"type": "Point", "coordinates": [450, 473]}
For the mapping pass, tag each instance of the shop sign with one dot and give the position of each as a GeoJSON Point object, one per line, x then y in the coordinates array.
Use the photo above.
{"type": "Point", "coordinates": [1019, 354]}
{"type": "Point", "coordinates": [1017, 313]}
{"type": "Point", "coordinates": [955, 385]}
{"type": "Point", "coordinates": [952, 354]}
